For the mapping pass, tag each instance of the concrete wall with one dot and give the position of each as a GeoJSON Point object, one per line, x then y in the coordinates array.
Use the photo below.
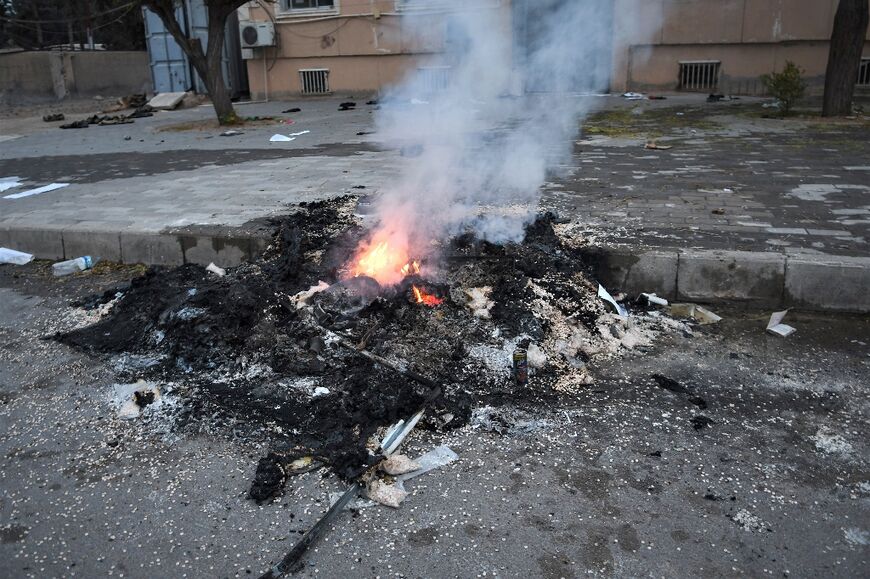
{"type": "Point", "coordinates": [749, 37]}
{"type": "Point", "coordinates": [365, 46]}
{"type": "Point", "coordinates": [56, 75]}
{"type": "Point", "coordinates": [369, 45]}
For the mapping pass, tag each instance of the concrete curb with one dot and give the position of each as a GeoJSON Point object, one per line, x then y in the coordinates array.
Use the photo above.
{"type": "Point", "coordinates": [225, 246]}
{"type": "Point", "coordinates": [761, 279]}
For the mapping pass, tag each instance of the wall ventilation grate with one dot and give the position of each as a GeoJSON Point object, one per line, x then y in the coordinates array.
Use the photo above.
{"type": "Point", "coordinates": [433, 78]}
{"type": "Point", "coordinates": [699, 75]}
{"type": "Point", "coordinates": [314, 80]}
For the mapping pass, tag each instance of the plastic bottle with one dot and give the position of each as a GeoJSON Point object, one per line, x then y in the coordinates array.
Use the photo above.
{"type": "Point", "coordinates": [73, 265]}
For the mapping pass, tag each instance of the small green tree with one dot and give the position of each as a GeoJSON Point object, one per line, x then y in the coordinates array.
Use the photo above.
{"type": "Point", "coordinates": [787, 86]}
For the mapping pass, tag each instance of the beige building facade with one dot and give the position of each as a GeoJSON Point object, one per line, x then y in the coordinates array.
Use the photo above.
{"type": "Point", "coordinates": [343, 46]}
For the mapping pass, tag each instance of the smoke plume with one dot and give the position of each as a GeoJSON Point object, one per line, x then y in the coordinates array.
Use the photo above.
{"type": "Point", "coordinates": [478, 148]}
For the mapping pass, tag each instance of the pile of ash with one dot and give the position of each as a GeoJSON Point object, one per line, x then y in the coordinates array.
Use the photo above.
{"type": "Point", "coordinates": [258, 349]}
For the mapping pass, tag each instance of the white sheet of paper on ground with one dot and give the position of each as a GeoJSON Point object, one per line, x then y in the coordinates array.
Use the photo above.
{"type": "Point", "coordinates": [299, 133]}
{"type": "Point", "coordinates": [276, 138]}
{"type": "Point", "coordinates": [15, 257]}
{"type": "Point", "coordinates": [605, 295]}
{"type": "Point", "coordinates": [775, 325]}
{"type": "Point", "coordinates": [37, 191]}
{"type": "Point", "coordinates": [9, 183]}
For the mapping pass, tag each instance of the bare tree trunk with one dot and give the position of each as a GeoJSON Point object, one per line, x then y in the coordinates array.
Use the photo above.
{"type": "Point", "coordinates": [847, 44]}
{"type": "Point", "coordinates": [206, 63]}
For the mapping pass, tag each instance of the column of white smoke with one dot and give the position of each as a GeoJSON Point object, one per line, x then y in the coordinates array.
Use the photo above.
{"type": "Point", "coordinates": [484, 147]}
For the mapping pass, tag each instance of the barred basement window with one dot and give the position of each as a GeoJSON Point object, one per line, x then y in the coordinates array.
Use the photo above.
{"type": "Point", "coordinates": [864, 72]}
{"type": "Point", "coordinates": [700, 75]}
{"type": "Point", "coordinates": [314, 80]}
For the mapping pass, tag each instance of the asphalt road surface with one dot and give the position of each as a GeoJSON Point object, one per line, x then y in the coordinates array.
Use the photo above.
{"type": "Point", "coordinates": [615, 482]}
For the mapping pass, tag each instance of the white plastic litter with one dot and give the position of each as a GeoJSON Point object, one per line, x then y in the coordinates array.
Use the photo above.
{"type": "Point", "coordinates": [37, 191]}
{"type": "Point", "coordinates": [654, 299]}
{"type": "Point", "coordinates": [535, 356]}
{"type": "Point", "coordinates": [605, 295]}
{"type": "Point", "coordinates": [633, 96]}
{"type": "Point", "coordinates": [775, 325]}
{"type": "Point", "coordinates": [9, 183]}
{"type": "Point", "coordinates": [276, 138]}
{"type": "Point", "coordinates": [15, 257]}
{"type": "Point", "coordinates": [299, 133]}
{"type": "Point", "coordinates": [321, 391]}
{"type": "Point", "coordinates": [218, 271]}
{"type": "Point", "coordinates": [302, 297]}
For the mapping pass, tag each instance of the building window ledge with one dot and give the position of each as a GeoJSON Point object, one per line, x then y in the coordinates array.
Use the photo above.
{"type": "Point", "coordinates": [305, 14]}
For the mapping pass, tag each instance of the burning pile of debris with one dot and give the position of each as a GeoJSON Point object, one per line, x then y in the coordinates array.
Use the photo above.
{"type": "Point", "coordinates": [332, 335]}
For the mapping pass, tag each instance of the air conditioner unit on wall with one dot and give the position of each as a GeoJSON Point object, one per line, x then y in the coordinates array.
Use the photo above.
{"type": "Point", "coordinates": [256, 34]}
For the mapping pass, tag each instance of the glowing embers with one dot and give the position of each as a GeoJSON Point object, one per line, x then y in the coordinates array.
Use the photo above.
{"type": "Point", "coordinates": [422, 297]}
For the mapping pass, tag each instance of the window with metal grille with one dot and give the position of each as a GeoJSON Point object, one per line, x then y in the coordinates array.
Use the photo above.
{"type": "Point", "coordinates": [314, 80]}
{"type": "Point", "coordinates": [864, 72]}
{"type": "Point", "coordinates": [307, 5]}
{"type": "Point", "coordinates": [434, 78]}
{"type": "Point", "coordinates": [700, 75]}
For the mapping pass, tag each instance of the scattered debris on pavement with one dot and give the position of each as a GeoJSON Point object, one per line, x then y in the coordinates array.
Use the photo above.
{"type": "Point", "coordinates": [167, 101]}
{"type": "Point", "coordinates": [347, 106]}
{"type": "Point", "coordinates": [698, 313]}
{"type": "Point", "coordinates": [36, 190]}
{"type": "Point", "coordinates": [53, 117]}
{"type": "Point", "coordinates": [14, 257]}
{"type": "Point", "coordinates": [218, 271]}
{"type": "Point", "coordinates": [652, 145]}
{"type": "Point", "coordinates": [776, 327]}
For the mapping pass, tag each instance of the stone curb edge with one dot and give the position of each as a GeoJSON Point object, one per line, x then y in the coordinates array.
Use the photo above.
{"type": "Point", "coordinates": [227, 248]}
{"type": "Point", "coordinates": [761, 279]}
{"type": "Point", "coordinates": [814, 282]}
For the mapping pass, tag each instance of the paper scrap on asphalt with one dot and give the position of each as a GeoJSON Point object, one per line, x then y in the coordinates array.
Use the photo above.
{"type": "Point", "coordinates": [15, 257]}
{"type": "Point", "coordinates": [37, 191]}
{"type": "Point", "coordinates": [9, 183]}
{"type": "Point", "coordinates": [435, 458]}
{"type": "Point", "coordinates": [775, 325]}
{"type": "Point", "coordinates": [299, 133]}
{"type": "Point", "coordinates": [605, 295]}
{"type": "Point", "coordinates": [281, 138]}
{"type": "Point", "coordinates": [705, 316]}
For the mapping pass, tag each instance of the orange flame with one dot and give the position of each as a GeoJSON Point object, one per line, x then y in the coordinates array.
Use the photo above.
{"type": "Point", "coordinates": [424, 298]}
{"type": "Point", "coordinates": [385, 259]}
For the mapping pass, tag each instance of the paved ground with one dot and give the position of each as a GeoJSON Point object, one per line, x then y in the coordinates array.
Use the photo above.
{"type": "Point", "coordinates": [732, 179]}
{"type": "Point", "coordinates": [613, 483]}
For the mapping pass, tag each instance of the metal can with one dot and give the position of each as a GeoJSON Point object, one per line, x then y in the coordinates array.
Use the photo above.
{"type": "Point", "coordinates": [521, 367]}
